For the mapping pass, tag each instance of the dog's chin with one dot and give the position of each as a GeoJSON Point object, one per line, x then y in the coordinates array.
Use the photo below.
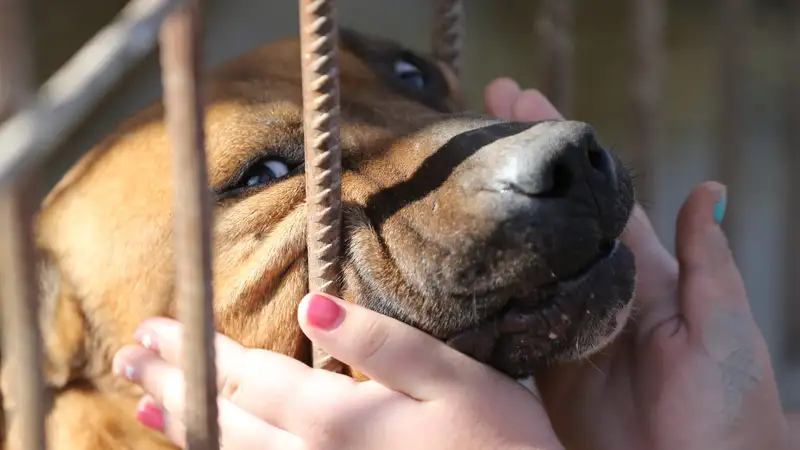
{"type": "Point", "coordinates": [567, 320]}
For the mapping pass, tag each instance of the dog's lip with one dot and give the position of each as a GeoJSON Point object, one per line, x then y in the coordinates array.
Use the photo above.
{"type": "Point", "coordinates": [542, 310]}
{"type": "Point", "coordinates": [606, 250]}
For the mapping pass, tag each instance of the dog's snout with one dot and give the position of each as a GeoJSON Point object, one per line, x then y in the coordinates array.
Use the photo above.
{"type": "Point", "coordinates": [556, 160]}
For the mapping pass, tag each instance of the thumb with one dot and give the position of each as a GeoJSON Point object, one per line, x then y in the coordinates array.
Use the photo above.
{"type": "Point", "coordinates": [656, 273]}
{"type": "Point", "coordinates": [710, 282]}
{"type": "Point", "coordinates": [394, 354]}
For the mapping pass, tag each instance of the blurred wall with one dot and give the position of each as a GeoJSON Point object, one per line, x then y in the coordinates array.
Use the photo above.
{"type": "Point", "coordinates": [500, 41]}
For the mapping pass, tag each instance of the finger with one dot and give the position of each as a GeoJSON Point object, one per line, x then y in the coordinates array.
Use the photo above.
{"type": "Point", "coordinates": [164, 337]}
{"type": "Point", "coordinates": [709, 275]}
{"type": "Point", "coordinates": [162, 380]}
{"type": "Point", "coordinates": [237, 429]}
{"type": "Point", "coordinates": [257, 381]}
{"type": "Point", "coordinates": [532, 106]}
{"type": "Point", "coordinates": [262, 392]}
{"type": "Point", "coordinates": [499, 97]}
{"type": "Point", "coordinates": [656, 273]}
{"type": "Point", "coordinates": [388, 351]}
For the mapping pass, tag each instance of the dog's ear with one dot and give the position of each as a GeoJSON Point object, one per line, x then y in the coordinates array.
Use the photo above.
{"type": "Point", "coordinates": [62, 323]}
{"type": "Point", "coordinates": [62, 328]}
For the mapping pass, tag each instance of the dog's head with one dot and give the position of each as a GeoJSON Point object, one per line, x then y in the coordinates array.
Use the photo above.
{"type": "Point", "coordinates": [501, 237]}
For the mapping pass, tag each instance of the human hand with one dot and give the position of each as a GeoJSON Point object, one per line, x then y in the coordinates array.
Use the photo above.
{"type": "Point", "coordinates": [693, 371]}
{"type": "Point", "coordinates": [423, 394]}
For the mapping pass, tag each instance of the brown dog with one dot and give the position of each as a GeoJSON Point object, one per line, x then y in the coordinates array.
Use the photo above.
{"type": "Point", "coordinates": [501, 237]}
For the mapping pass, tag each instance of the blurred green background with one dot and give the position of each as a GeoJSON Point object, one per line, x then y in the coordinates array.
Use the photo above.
{"type": "Point", "coordinates": [501, 41]}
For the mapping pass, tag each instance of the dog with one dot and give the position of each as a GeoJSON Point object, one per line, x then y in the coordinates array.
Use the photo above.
{"type": "Point", "coordinates": [501, 238]}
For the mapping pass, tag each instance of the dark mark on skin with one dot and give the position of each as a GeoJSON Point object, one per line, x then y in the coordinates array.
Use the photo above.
{"type": "Point", "coordinates": [727, 341]}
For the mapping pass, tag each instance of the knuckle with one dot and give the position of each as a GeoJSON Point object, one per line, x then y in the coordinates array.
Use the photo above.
{"type": "Point", "coordinates": [373, 341]}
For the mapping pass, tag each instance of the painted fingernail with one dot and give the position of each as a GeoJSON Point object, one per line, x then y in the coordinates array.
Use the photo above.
{"type": "Point", "coordinates": [122, 368]}
{"type": "Point", "coordinates": [150, 415]}
{"type": "Point", "coordinates": [720, 206]}
{"type": "Point", "coordinates": [323, 312]}
{"type": "Point", "coordinates": [146, 339]}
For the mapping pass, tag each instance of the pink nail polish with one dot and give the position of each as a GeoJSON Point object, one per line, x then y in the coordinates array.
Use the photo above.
{"type": "Point", "coordinates": [146, 339]}
{"type": "Point", "coordinates": [121, 367]}
{"type": "Point", "coordinates": [323, 312]}
{"type": "Point", "coordinates": [150, 416]}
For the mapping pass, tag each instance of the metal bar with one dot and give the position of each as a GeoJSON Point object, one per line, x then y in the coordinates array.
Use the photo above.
{"type": "Point", "coordinates": [732, 138]}
{"type": "Point", "coordinates": [448, 33]}
{"type": "Point", "coordinates": [319, 30]}
{"type": "Point", "coordinates": [192, 221]}
{"type": "Point", "coordinates": [69, 96]}
{"type": "Point", "coordinates": [555, 32]}
{"type": "Point", "coordinates": [792, 297]}
{"type": "Point", "coordinates": [19, 295]}
{"type": "Point", "coordinates": [648, 80]}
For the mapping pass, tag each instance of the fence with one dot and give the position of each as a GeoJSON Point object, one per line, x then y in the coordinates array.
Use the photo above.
{"type": "Point", "coordinates": [35, 122]}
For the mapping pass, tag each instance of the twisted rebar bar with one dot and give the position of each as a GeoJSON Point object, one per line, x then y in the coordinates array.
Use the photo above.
{"type": "Point", "coordinates": [448, 33]}
{"type": "Point", "coordinates": [320, 67]}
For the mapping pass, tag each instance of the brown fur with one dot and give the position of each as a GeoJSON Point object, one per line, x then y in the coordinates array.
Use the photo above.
{"type": "Point", "coordinates": [105, 233]}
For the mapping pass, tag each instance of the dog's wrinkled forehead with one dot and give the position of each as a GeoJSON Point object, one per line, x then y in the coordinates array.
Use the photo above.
{"type": "Point", "coordinates": [253, 108]}
{"type": "Point", "coordinates": [386, 90]}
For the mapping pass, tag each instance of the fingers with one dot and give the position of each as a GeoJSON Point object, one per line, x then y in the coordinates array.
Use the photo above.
{"type": "Point", "coordinates": [656, 273]}
{"type": "Point", "coordinates": [238, 429]}
{"type": "Point", "coordinates": [165, 338]}
{"type": "Point", "coordinates": [258, 381]}
{"type": "Point", "coordinates": [390, 352]}
{"type": "Point", "coordinates": [504, 99]}
{"type": "Point", "coordinates": [710, 278]}
{"type": "Point", "coordinates": [499, 97]}
{"type": "Point", "coordinates": [532, 106]}
{"type": "Point", "coordinates": [163, 409]}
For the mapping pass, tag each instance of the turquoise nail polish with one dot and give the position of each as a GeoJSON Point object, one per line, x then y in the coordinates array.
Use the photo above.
{"type": "Point", "coordinates": [719, 208]}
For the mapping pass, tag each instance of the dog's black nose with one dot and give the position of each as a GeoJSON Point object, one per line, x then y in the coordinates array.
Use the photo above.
{"type": "Point", "coordinates": [555, 160]}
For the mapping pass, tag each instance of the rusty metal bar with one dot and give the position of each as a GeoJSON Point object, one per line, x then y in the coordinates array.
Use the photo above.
{"type": "Point", "coordinates": [69, 96]}
{"type": "Point", "coordinates": [19, 295]}
{"type": "Point", "coordinates": [554, 27]}
{"type": "Point", "coordinates": [192, 205]}
{"type": "Point", "coordinates": [648, 80]}
{"type": "Point", "coordinates": [792, 297]}
{"type": "Point", "coordinates": [734, 36]}
{"type": "Point", "coordinates": [448, 33]}
{"type": "Point", "coordinates": [319, 30]}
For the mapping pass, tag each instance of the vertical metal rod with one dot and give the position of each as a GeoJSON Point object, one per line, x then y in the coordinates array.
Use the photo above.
{"type": "Point", "coordinates": [648, 79]}
{"type": "Point", "coordinates": [732, 138]}
{"type": "Point", "coordinates": [319, 31]}
{"type": "Point", "coordinates": [19, 294]}
{"type": "Point", "coordinates": [792, 297]}
{"type": "Point", "coordinates": [555, 32]}
{"type": "Point", "coordinates": [448, 33]}
{"type": "Point", "coordinates": [192, 221]}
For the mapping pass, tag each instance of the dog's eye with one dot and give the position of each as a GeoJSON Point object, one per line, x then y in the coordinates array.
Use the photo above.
{"type": "Point", "coordinates": [263, 172]}
{"type": "Point", "coordinates": [410, 73]}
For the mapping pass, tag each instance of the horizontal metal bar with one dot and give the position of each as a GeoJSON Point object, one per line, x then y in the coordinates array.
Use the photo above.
{"type": "Point", "coordinates": [67, 98]}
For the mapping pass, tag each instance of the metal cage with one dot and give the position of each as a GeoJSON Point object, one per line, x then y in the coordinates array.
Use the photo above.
{"type": "Point", "coordinates": [35, 122]}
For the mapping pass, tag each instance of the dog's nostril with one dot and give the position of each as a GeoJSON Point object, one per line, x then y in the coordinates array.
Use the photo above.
{"type": "Point", "coordinates": [562, 180]}
{"type": "Point", "coordinates": [605, 247]}
{"type": "Point", "coordinates": [598, 160]}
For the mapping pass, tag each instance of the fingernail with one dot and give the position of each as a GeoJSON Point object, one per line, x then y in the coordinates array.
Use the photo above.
{"type": "Point", "coordinates": [150, 415]}
{"type": "Point", "coordinates": [146, 339]}
{"type": "Point", "coordinates": [323, 313]}
{"type": "Point", "coordinates": [122, 368]}
{"type": "Point", "coordinates": [720, 206]}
